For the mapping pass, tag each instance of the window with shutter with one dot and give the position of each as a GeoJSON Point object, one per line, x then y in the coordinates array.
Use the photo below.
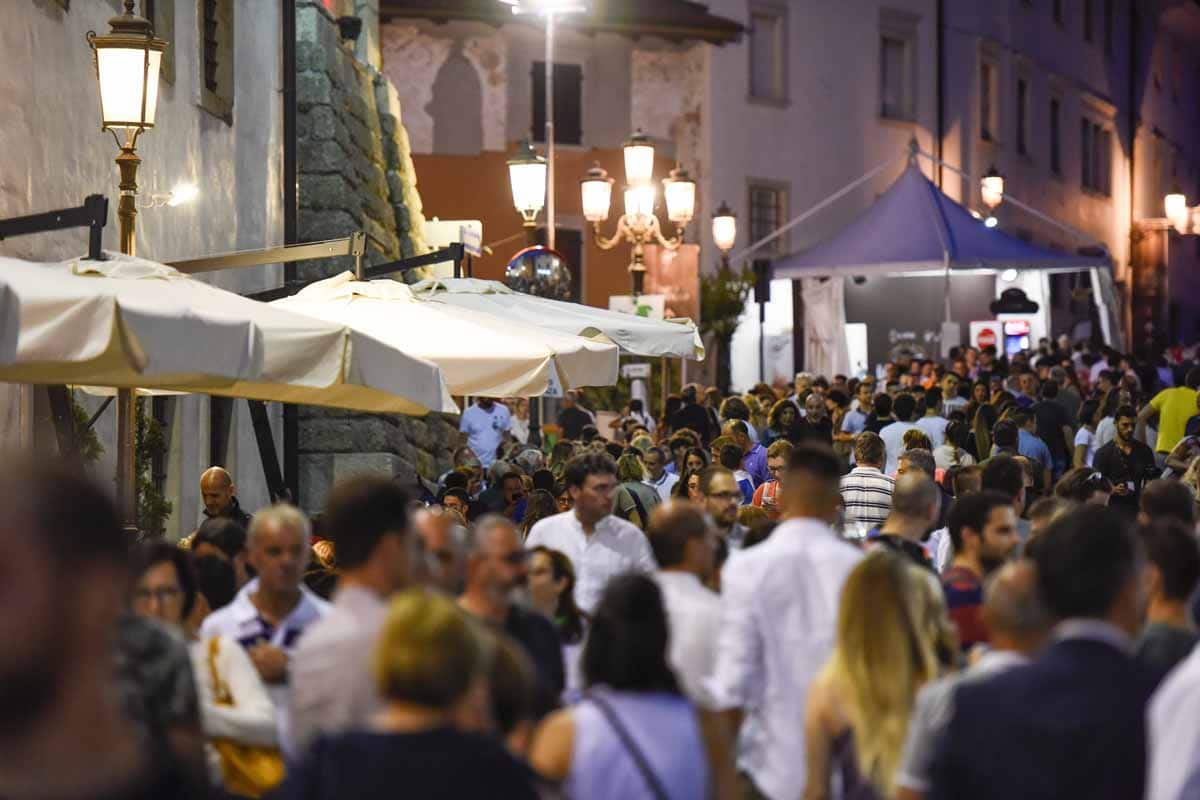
{"type": "Point", "coordinates": [214, 19]}
{"type": "Point", "coordinates": [568, 103]}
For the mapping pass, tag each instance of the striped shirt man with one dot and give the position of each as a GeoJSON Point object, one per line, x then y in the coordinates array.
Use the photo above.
{"type": "Point", "coordinates": [867, 496]}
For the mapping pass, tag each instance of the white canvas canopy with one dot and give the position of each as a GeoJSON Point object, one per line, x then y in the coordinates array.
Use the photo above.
{"type": "Point", "coordinates": [479, 353]}
{"type": "Point", "coordinates": [130, 323]}
{"type": "Point", "coordinates": [634, 335]}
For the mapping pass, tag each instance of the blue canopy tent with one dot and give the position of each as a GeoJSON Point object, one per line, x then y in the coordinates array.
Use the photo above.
{"type": "Point", "coordinates": [915, 227]}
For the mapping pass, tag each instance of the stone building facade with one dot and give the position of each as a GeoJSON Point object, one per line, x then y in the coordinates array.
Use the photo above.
{"type": "Point", "coordinates": [356, 173]}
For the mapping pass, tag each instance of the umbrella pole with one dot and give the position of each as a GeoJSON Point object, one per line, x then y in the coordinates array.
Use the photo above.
{"type": "Point", "coordinates": [128, 163]}
{"type": "Point", "coordinates": [126, 456]}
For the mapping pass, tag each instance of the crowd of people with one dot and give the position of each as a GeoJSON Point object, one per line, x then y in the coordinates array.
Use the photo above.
{"type": "Point", "coordinates": [974, 578]}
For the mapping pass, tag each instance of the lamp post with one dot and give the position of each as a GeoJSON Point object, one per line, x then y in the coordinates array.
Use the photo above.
{"type": "Point", "coordinates": [991, 188]}
{"type": "Point", "coordinates": [1176, 209]}
{"type": "Point", "coordinates": [527, 175]}
{"type": "Point", "coordinates": [127, 62]}
{"type": "Point", "coordinates": [639, 226]}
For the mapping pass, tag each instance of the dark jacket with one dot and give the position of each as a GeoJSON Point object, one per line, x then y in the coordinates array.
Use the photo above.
{"type": "Point", "coordinates": [1071, 724]}
{"type": "Point", "coordinates": [233, 512]}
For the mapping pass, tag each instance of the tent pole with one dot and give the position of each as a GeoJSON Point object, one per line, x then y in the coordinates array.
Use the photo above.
{"type": "Point", "coordinates": [1023, 206]}
{"type": "Point", "coordinates": [946, 256]}
{"type": "Point", "coordinates": [839, 194]}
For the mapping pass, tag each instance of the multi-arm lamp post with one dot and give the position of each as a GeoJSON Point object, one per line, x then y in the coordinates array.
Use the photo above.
{"type": "Point", "coordinates": [127, 62]}
{"type": "Point", "coordinates": [639, 226]}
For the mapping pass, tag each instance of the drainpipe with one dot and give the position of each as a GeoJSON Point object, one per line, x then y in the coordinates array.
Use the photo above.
{"type": "Point", "coordinates": [291, 420]}
{"type": "Point", "coordinates": [1132, 78]}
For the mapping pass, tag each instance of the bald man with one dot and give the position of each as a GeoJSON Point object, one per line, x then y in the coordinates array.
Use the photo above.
{"type": "Point", "coordinates": [1019, 626]}
{"type": "Point", "coordinates": [220, 496]}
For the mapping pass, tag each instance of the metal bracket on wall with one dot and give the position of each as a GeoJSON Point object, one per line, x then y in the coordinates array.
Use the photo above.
{"type": "Point", "coordinates": [93, 215]}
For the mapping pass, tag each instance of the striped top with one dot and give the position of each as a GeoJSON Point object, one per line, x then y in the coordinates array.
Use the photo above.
{"type": "Point", "coordinates": [867, 495]}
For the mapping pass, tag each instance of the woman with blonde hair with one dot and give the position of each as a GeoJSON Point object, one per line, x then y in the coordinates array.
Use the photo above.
{"type": "Point", "coordinates": [431, 665]}
{"type": "Point", "coordinates": [893, 636]}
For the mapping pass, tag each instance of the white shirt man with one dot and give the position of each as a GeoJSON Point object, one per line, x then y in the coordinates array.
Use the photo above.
{"type": "Point", "coordinates": [271, 612]}
{"type": "Point", "coordinates": [1173, 733]}
{"type": "Point", "coordinates": [779, 614]}
{"type": "Point", "coordinates": [599, 544]}
{"type": "Point", "coordinates": [655, 461]}
{"type": "Point", "coordinates": [485, 424]}
{"type": "Point", "coordinates": [935, 428]}
{"type": "Point", "coordinates": [683, 540]}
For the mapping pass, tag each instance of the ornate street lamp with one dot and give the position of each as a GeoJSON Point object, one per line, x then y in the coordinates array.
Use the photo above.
{"type": "Point", "coordinates": [127, 62]}
{"type": "Point", "coordinates": [527, 174]}
{"type": "Point", "coordinates": [1176, 208]}
{"type": "Point", "coordinates": [724, 230]}
{"type": "Point", "coordinates": [991, 188]}
{"type": "Point", "coordinates": [639, 226]}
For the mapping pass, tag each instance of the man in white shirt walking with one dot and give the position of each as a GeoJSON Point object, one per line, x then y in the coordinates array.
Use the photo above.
{"type": "Point", "coordinates": [893, 435]}
{"type": "Point", "coordinates": [657, 476]}
{"type": "Point", "coordinates": [683, 542]}
{"type": "Point", "coordinates": [485, 423]}
{"type": "Point", "coordinates": [779, 613]}
{"type": "Point", "coordinates": [271, 612]}
{"type": "Point", "coordinates": [599, 544]}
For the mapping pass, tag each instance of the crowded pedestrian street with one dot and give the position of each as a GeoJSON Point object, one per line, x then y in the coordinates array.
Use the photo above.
{"type": "Point", "coordinates": [357, 448]}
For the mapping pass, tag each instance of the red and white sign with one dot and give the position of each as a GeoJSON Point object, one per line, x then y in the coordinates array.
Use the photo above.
{"type": "Point", "coordinates": [986, 333]}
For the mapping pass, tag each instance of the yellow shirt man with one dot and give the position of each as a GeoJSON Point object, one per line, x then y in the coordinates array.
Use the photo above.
{"type": "Point", "coordinates": [1174, 407]}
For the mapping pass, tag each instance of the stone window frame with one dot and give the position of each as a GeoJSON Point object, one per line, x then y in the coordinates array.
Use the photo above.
{"type": "Point", "coordinates": [900, 26]}
{"type": "Point", "coordinates": [779, 92]}
{"type": "Point", "coordinates": [217, 99]}
{"type": "Point", "coordinates": [990, 63]}
{"type": "Point", "coordinates": [1099, 118]}
{"type": "Point", "coordinates": [783, 191]}
{"type": "Point", "coordinates": [1023, 112]}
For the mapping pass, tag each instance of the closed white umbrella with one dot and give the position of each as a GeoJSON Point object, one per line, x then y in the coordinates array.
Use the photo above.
{"type": "Point", "coordinates": [479, 354]}
{"type": "Point", "coordinates": [130, 323]}
{"type": "Point", "coordinates": [634, 335]}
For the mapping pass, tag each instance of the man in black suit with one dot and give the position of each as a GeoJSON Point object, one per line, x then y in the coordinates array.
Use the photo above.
{"type": "Point", "coordinates": [1072, 724]}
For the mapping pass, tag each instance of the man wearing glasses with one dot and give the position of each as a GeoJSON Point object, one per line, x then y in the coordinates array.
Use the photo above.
{"type": "Point", "coordinates": [496, 573]}
{"type": "Point", "coordinates": [599, 544]}
{"type": "Point", "coordinates": [767, 495]}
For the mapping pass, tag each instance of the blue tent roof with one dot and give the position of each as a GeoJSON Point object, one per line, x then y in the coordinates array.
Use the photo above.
{"type": "Point", "coordinates": [915, 227]}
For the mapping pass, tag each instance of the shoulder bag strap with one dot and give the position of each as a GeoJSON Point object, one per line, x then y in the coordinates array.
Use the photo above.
{"type": "Point", "coordinates": [639, 758]}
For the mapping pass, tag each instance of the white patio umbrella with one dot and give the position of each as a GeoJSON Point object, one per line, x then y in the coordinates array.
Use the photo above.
{"type": "Point", "coordinates": [130, 323]}
{"type": "Point", "coordinates": [480, 354]}
{"type": "Point", "coordinates": [634, 335]}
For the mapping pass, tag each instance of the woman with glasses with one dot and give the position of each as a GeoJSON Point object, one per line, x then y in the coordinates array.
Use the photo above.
{"type": "Point", "coordinates": [234, 705]}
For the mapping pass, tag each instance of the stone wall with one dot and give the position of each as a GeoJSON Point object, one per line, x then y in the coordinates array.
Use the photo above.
{"type": "Point", "coordinates": [356, 173]}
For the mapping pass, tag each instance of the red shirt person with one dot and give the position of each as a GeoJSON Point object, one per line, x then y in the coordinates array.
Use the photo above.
{"type": "Point", "coordinates": [983, 528]}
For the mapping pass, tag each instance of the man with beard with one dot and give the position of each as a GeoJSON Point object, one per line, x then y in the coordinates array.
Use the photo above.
{"type": "Point", "coordinates": [983, 530]}
{"type": "Point", "coordinates": [722, 497]}
{"type": "Point", "coordinates": [61, 733]}
{"type": "Point", "coordinates": [496, 576]}
{"type": "Point", "coordinates": [815, 426]}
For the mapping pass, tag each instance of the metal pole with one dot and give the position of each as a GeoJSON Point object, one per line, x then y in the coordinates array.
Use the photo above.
{"type": "Point", "coordinates": [550, 129]}
{"type": "Point", "coordinates": [762, 342]}
{"type": "Point", "coordinates": [128, 163]}
{"type": "Point", "coordinates": [291, 223]}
